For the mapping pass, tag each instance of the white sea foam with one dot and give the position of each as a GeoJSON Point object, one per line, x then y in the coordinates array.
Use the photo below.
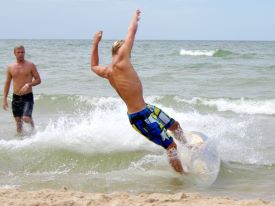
{"type": "Point", "coordinates": [240, 106]}
{"type": "Point", "coordinates": [8, 186]}
{"type": "Point", "coordinates": [237, 139]}
{"type": "Point", "coordinates": [105, 129]}
{"type": "Point", "coordinates": [184, 52]}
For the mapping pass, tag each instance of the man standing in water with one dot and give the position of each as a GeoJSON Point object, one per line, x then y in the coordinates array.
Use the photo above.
{"type": "Point", "coordinates": [149, 120]}
{"type": "Point", "coordinates": [25, 76]}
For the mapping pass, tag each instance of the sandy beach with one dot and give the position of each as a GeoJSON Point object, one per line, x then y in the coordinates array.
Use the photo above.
{"type": "Point", "coordinates": [65, 197]}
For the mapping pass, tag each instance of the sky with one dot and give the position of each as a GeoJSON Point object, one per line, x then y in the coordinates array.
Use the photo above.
{"type": "Point", "coordinates": [160, 19]}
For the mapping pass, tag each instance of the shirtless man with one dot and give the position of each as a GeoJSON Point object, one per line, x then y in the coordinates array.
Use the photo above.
{"type": "Point", "coordinates": [24, 75]}
{"type": "Point", "coordinates": [149, 120]}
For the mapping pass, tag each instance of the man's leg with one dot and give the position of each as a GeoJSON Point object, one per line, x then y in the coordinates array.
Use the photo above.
{"type": "Point", "coordinates": [174, 161]}
{"type": "Point", "coordinates": [18, 121]}
{"type": "Point", "coordinates": [28, 120]}
{"type": "Point", "coordinates": [27, 113]}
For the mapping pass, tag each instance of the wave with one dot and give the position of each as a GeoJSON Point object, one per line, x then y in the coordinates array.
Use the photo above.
{"type": "Point", "coordinates": [80, 104]}
{"type": "Point", "coordinates": [108, 132]}
{"type": "Point", "coordinates": [92, 123]}
{"type": "Point", "coordinates": [102, 127]}
{"type": "Point", "coordinates": [98, 135]}
{"type": "Point", "coordinates": [223, 53]}
{"type": "Point", "coordinates": [210, 53]}
{"type": "Point", "coordinates": [239, 106]}
{"type": "Point", "coordinates": [75, 104]}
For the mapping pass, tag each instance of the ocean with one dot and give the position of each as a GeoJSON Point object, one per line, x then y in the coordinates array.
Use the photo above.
{"type": "Point", "coordinates": [83, 140]}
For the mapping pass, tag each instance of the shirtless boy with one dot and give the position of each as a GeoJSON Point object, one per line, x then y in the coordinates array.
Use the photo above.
{"type": "Point", "coordinates": [147, 119]}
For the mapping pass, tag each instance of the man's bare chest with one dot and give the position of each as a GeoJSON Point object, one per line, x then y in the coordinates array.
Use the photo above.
{"type": "Point", "coordinates": [20, 72]}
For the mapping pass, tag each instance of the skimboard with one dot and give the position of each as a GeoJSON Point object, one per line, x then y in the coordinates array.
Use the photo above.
{"type": "Point", "coordinates": [199, 157]}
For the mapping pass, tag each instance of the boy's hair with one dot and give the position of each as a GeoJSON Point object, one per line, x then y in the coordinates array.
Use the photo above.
{"type": "Point", "coordinates": [116, 45]}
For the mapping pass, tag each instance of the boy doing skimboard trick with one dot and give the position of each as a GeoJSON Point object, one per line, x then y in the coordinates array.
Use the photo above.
{"type": "Point", "coordinates": [147, 119]}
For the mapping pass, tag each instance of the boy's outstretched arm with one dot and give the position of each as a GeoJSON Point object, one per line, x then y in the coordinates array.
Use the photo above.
{"type": "Point", "coordinates": [99, 70]}
{"type": "Point", "coordinates": [132, 29]}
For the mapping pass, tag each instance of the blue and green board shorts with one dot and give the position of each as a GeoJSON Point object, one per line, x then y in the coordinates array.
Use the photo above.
{"type": "Point", "coordinates": [153, 123]}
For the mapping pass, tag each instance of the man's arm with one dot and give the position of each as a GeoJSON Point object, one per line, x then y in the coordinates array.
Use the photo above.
{"type": "Point", "coordinates": [36, 77]}
{"type": "Point", "coordinates": [132, 29]}
{"type": "Point", "coordinates": [99, 70]}
{"type": "Point", "coordinates": [6, 90]}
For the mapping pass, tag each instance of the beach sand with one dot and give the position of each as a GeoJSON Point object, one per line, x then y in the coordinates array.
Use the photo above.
{"type": "Point", "coordinates": [65, 197]}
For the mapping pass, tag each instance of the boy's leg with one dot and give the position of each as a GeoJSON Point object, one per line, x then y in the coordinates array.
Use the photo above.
{"type": "Point", "coordinates": [178, 132]}
{"type": "Point", "coordinates": [174, 161]}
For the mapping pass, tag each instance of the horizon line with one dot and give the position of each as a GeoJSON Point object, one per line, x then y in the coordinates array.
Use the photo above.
{"type": "Point", "coordinates": [113, 39]}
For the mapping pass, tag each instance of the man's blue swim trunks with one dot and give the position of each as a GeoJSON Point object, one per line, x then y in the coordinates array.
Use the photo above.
{"type": "Point", "coordinates": [153, 123]}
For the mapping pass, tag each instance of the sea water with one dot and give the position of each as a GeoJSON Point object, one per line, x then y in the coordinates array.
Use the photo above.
{"type": "Point", "coordinates": [83, 140]}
